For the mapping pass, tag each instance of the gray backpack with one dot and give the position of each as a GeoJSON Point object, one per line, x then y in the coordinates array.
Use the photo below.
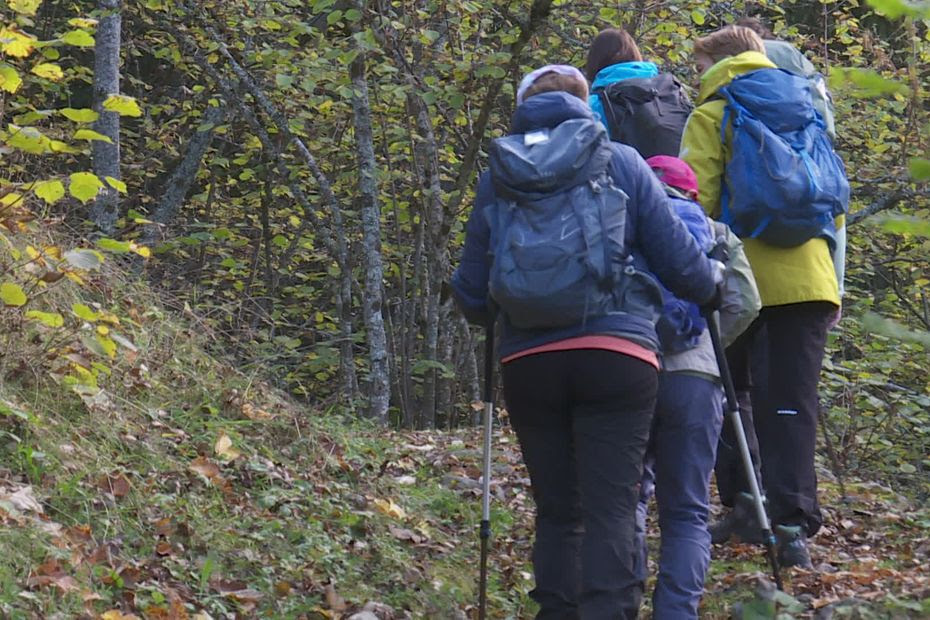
{"type": "Point", "coordinates": [559, 258]}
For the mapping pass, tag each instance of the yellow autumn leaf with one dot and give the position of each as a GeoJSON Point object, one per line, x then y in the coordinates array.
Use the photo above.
{"type": "Point", "coordinates": [115, 614]}
{"type": "Point", "coordinates": [49, 71]}
{"type": "Point", "coordinates": [9, 78]}
{"type": "Point", "coordinates": [223, 448]}
{"type": "Point", "coordinates": [16, 43]}
{"type": "Point", "coordinates": [389, 508]}
{"type": "Point", "coordinates": [26, 7]}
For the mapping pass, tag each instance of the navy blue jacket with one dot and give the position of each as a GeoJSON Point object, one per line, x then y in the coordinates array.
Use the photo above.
{"type": "Point", "coordinates": [659, 241]}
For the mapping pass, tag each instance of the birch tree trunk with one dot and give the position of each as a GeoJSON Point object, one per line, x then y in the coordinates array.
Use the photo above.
{"type": "Point", "coordinates": [106, 158]}
{"type": "Point", "coordinates": [379, 377]}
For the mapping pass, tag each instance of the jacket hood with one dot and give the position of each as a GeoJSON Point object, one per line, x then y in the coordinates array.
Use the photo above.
{"type": "Point", "coordinates": [556, 144]}
{"type": "Point", "coordinates": [624, 71]}
{"type": "Point", "coordinates": [730, 67]}
{"type": "Point", "coordinates": [546, 111]}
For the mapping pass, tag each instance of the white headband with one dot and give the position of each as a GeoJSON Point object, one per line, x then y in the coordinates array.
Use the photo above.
{"type": "Point", "coordinates": [526, 82]}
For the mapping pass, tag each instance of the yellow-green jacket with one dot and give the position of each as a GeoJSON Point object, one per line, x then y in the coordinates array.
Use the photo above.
{"type": "Point", "coordinates": [783, 275]}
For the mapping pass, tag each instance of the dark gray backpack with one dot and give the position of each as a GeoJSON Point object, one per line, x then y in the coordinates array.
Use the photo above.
{"type": "Point", "coordinates": [648, 114]}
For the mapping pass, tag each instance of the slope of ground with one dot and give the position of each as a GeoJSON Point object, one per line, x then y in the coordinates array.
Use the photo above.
{"type": "Point", "coordinates": [167, 484]}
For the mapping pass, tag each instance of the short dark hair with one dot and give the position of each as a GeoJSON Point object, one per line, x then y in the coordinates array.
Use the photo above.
{"type": "Point", "coordinates": [609, 47]}
{"type": "Point", "coordinates": [756, 25]}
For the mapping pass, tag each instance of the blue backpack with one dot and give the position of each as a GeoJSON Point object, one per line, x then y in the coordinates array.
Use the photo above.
{"type": "Point", "coordinates": [784, 183]}
{"type": "Point", "coordinates": [559, 257]}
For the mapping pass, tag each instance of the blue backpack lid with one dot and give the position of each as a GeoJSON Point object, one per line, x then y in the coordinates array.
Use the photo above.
{"type": "Point", "coordinates": [778, 98]}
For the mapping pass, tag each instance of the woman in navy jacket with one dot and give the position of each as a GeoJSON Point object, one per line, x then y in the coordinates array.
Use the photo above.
{"type": "Point", "coordinates": [581, 397]}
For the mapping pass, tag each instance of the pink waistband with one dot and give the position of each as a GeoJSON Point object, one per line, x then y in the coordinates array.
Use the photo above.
{"type": "Point", "coordinates": [601, 342]}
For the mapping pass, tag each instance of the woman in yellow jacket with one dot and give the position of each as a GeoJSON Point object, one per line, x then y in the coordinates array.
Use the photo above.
{"type": "Point", "coordinates": [800, 297]}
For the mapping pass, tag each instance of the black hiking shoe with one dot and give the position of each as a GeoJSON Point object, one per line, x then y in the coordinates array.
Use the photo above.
{"type": "Point", "coordinates": [791, 544]}
{"type": "Point", "coordinates": [740, 522]}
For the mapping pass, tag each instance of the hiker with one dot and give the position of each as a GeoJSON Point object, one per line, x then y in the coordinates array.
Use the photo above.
{"type": "Point", "coordinates": [566, 232]}
{"type": "Point", "coordinates": [731, 485]}
{"type": "Point", "coordinates": [639, 105]}
{"type": "Point", "coordinates": [742, 96]}
{"type": "Point", "coordinates": [686, 427]}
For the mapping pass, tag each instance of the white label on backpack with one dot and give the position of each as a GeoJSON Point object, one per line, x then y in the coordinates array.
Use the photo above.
{"type": "Point", "coordinates": [787, 412]}
{"type": "Point", "coordinates": [536, 137]}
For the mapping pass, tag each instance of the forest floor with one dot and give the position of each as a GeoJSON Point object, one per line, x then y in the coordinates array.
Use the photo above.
{"type": "Point", "coordinates": [185, 488]}
{"type": "Point", "coordinates": [227, 501]}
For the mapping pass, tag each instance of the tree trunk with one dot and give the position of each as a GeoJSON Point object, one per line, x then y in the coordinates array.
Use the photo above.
{"type": "Point", "coordinates": [105, 210]}
{"type": "Point", "coordinates": [181, 179]}
{"type": "Point", "coordinates": [379, 375]}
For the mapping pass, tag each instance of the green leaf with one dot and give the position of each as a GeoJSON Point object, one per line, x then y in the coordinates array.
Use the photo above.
{"type": "Point", "coordinates": [50, 191]}
{"type": "Point", "coordinates": [697, 16]}
{"type": "Point", "coordinates": [84, 186]}
{"type": "Point", "coordinates": [83, 22]}
{"type": "Point", "coordinates": [78, 38]}
{"type": "Point", "coordinates": [49, 319]}
{"type": "Point", "coordinates": [898, 8]}
{"type": "Point", "coordinates": [878, 324]}
{"type": "Point", "coordinates": [12, 294]}
{"type": "Point", "coordinates": [80, 115]}
{"type": "Point", "coordinates": [28, 139]}
{"type": "Point", "coordinates": [112, 245]}
{"type": "Point", "coordinates": [9, 78]}
{"type": "Point", "coordinates": [90, 134]}
{"type": "Point", "coordinates": [865, 83]}
{"type": "Point", "coordinates": [84, 312]}
{"type": "Point", "coordinates": [919, 168]}
{"type": "Point", "coordinates": [122, 105]}
{"type": "Point", "coordinates": [905, 225]}
{"type": "Point", "coordinates": [83, 258]}
{"type": "Point", "coordinates": [106, 343]}
{"type": "Point", "coordinates": [907, 468]}
{"type": "Point", "coordinates": [116, 184]}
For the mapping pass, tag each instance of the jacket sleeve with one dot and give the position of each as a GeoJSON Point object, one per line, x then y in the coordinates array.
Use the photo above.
{"type": "Point", "coordinates": [470, 280]}
{"type": "Point", "coordinates": [670, 251]}
{"type": "Point", "coordinates": [703, 150]}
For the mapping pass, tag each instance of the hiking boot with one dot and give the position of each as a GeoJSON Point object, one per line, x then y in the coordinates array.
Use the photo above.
{"type": "Point", "coordinates": [791, 544]}
{"type": "Point", "coordinates": [740, 522]}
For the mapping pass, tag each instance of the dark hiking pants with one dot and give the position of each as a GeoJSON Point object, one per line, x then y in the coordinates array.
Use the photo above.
{"type": "Point", "coordinates": [786, 358]}
{"type": "Point", "coordinates": [679, 461]}
{"type": "Point", "coordinates": [582, 418]}
{"type": "Point", "coordinates": [729, 471]}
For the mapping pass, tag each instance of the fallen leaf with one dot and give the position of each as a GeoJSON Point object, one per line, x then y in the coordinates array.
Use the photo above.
{"type": "Point", "coordinates": [205, 468]}
{"type": "Point", "coordinates": [23, 500]}
{"type": "Point", "coordinates": [116, 485]}
{"type": "Point", "coordinates": [389, 508]}
{"type": "Point", "coordinates": [402, 533]}
{"type": "Point", "coordinates": [333, 600]}
{"type": "Point", "coordinates": [115, 614]}
{"type": "Point", "coordinates": [223, 448]}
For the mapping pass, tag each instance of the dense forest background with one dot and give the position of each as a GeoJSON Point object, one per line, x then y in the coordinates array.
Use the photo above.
{"type": "Point", "coordinates": [292, 178]}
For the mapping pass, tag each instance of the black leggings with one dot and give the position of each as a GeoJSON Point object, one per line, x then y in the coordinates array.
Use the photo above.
{"type": "Point", "coordinates": [583, 419]}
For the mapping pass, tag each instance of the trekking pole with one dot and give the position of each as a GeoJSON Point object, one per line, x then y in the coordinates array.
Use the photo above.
{"type": "Point", "coordinates": [734, 414]}
{"type": "Point", "coordinates": [485, 527]}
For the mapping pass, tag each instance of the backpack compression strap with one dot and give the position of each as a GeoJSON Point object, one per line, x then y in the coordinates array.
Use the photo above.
{"type": "Point", "coordinates": [725, 215]}
{"type": "Point", "coordinates": [613, 129]}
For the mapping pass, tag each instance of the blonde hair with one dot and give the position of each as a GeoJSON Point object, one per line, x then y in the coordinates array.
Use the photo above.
{"type": "Point", "coordinates": [729, 41]}
{"type": "Point", "coordinates": [552, 81]}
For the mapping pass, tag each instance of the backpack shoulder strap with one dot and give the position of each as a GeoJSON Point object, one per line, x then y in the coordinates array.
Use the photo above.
{"type": "Point", "coordinates": [613, 128]}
